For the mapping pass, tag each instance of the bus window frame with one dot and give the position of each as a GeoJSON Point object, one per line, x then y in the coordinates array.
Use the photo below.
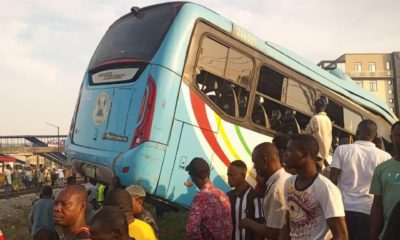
{"type": "Point", "coordinates": [344, 106]}
{"type": "Point", "coordinates": [210, 36]}
{"type": "Point", "coordinates": [204, 29]}
{"type": "Point", "coordinates": [287, 73]}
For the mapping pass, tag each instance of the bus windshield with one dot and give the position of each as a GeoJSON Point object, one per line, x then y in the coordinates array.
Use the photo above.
{"type": "Point", "coordinates": [136, 36]}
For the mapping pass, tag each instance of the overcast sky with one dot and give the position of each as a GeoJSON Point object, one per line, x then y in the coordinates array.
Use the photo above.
{"type": "Point", "coordinates": [45, 45]}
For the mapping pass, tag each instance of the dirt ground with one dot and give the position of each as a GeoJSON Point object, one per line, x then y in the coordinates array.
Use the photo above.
{"type": "Point", "coordinates": [14, 215]}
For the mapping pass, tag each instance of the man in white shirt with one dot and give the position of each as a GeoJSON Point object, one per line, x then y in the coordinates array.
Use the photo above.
{"type": "Point", "coordinates": [352, 168]}
{"type": "Point", "coordinates": [268, 165]}
{"type": "Point", "coordinates": [60, 174]}
{"type": "Point", "coordinates": [314, 204]}
{"type": "Point", "coordinates": [320, 127]}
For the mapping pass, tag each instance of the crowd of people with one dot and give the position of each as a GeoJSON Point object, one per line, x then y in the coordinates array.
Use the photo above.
{"type": "Point", "coordinates": [19, 177]}
{"type": "Point", "coordinates": [359, 198]}
{"type": "Point", "coordinates": [92, 212]}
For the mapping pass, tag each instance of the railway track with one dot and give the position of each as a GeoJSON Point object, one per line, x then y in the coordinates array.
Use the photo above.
{"type": "Point", "coordinates": [28, 191]}
{"type": "Point", "coordinates": [18, 193]}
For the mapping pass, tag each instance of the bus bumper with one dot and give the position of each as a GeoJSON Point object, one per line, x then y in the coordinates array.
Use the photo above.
{"type": "Point", "coordinates": [101, 173]}
{"type": "Point", "coordinates": [93, 163]}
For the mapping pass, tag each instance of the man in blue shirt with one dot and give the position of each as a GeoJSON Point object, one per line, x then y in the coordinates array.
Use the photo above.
{"type": "Point", "coordinates": [42, 218]}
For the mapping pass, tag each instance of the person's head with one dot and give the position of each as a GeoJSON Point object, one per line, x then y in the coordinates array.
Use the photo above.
{"type": "Point", "coordinates": [280, 141]}
{"type": "Point", "coordinates": [8, 166]}
{"type": "Point", "coordinates": [120, 198]}
{"type": "Point", "coordinates": [137, 194]}
{"type": "Point", "coordinates": [237, 173]}
{"type": "Point", "coordinates": [70, 205]}
{"type": "Point", "coordinates": [109, 223]}
{"type": "Point", "coordinates": [92, 181]}
{"type": "Point", "coordinates": [320, 105]}
{"type": "Point", "coordinates": [199, 171]}
{"type": "Point", "coordinates": [71, 180]}
{"type": "Point", "coordinates": [302, 150]}
{"type": "Point", "coordinates": [266, 161]}
{"type": "Point", "coordinates": [366, 130]}
{"type": "Point", "coordinates": [395, 136]}
{"type": "Point", "coordinates": [47, 192]}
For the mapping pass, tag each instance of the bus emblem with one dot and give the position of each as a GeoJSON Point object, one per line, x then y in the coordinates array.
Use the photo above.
{"type": "Point", "coordinates": [101, 109]}
{"type": "Point", "coordinates": [114, 137]}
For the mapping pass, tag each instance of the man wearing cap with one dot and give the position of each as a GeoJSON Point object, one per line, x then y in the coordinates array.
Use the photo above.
{"type": "Point", "coordinates": [138, 194]}
{"type": "Point", "coordinates": [210, 215]}
{"type": "Point", "coordinates": [320, 127]}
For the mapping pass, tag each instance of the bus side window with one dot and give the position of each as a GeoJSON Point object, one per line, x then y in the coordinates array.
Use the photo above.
{"type": "Point", "coordinates": [259, 115]}
{"type": "Point", "coordinates": [209, 85]}
{"type": "Point", "coordinates": [270, 98]}
{"type": "Point", "coordinates": [351, 120]}
{"type": "Point", "coordinates": [270, 83]}
{"type": "Point", "coordinates": [228, 100]}
{"type": "Point", "coordinates": [223, 75]}
{"type": "Point", "coordinates": [290, 125]}
{"type": "Point", "coordinates": [345, 123]}
{"type": "Point", "coordinates": [299, 96]}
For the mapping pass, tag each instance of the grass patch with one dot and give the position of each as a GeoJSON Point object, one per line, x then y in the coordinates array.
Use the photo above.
{"type": "Point", "coordinates": [172, 225]}
{"type": "Point", "coordinates": [16, 228]}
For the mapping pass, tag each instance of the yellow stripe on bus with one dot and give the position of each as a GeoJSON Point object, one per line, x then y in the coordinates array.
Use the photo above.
{"type": "Point", "coordinates": [228, 144]}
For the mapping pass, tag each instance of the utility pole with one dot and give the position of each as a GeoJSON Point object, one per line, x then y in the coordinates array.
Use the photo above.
{"type": "Point", "coordinates": [58, 135]}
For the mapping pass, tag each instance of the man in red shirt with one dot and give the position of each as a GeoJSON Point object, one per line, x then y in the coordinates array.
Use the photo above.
{"type": "Point", "coordinates": [210, 215]}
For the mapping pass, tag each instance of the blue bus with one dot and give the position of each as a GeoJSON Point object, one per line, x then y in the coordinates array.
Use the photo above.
{"type": "Point", "coordinates": [174, 81]}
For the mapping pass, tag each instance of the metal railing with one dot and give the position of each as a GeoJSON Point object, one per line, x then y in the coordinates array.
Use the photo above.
{"type": "Point", "coordinates": [23, 141]}
{"type": "Point", "coordinates": [383, 74]}
{"type": "Point", "coordinates": [49, 146]}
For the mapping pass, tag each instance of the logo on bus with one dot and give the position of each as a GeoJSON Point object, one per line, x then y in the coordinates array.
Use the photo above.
{"type": "Point", "coordinates": [114, 137]}
{"type": "Point", "coordinates": [101, 108]}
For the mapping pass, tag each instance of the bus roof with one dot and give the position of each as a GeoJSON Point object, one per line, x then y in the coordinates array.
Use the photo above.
{"type": "Point", "coordinates": [178, 39]}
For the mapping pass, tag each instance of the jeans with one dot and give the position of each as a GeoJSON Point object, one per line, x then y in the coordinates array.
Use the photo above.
{"type": "Point", "coordinates": [61, 180]}
{"type": "Point", "coordinates": [357, 225]}
{"type": "Point", "coordinates": [7, 190]}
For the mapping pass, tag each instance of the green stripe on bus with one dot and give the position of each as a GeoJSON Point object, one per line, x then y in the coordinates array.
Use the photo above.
{"type": "Point", "coordinates": [239, 133]}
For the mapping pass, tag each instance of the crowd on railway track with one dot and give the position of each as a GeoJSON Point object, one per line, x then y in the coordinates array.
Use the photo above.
{"type": "Point", "coordinates": [21, 179]}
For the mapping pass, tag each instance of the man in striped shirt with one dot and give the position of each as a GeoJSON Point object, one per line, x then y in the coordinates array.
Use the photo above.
{"type": "Point", "coordinates": [244, 201]}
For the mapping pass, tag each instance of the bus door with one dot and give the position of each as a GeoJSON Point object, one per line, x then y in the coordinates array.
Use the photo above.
{"type": "Point", "coordinates": [180, 190]}
{"type": "Point", "coordinates": [190, 142]}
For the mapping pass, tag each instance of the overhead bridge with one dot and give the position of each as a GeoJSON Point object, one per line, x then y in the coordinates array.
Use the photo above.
{"type": "Point", "coordinates": [48, 146]}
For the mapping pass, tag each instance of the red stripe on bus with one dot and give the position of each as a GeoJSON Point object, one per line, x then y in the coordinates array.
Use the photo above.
{"type": "Point", "coordinates": [199, 110]}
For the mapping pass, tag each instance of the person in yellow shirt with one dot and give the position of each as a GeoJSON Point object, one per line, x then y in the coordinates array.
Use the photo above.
{"type": "Point", "coordinates": [138, 194]}
{"type": "Point", "coordinates": [138, 229]}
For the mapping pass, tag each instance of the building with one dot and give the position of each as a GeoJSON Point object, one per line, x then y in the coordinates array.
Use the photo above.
{"type": "Point", "coordinates": [378, 73]}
